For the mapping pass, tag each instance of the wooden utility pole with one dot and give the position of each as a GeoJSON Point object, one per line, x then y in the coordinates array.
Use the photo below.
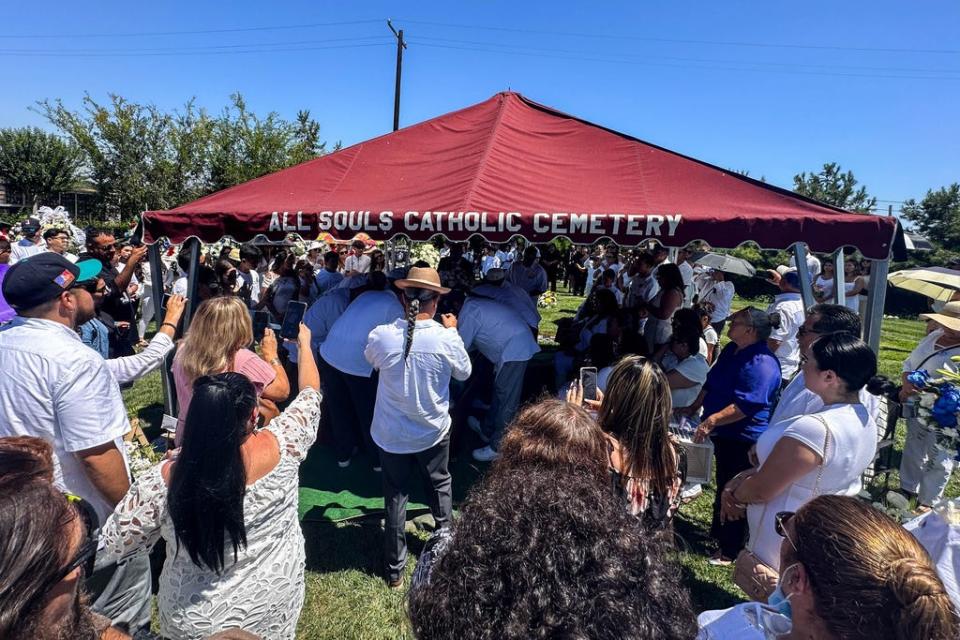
{"type": "Point", "coordinates": [401, 45]}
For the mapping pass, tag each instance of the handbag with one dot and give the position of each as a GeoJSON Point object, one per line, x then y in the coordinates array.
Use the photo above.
{"type": "Point", "coordinates": [755, 577]}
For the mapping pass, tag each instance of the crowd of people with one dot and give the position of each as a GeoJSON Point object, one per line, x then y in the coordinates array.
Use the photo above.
{"type": "Point", "coordinates": [570, 531]}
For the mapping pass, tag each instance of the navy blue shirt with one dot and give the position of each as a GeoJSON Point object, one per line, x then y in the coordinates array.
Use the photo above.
{"type": "Point", "coordinates": [750, 379]}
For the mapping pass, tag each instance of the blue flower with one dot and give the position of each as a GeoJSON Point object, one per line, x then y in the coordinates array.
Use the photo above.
{"type": "Point", "coordinates": [947, 406]}
{"type": "Point", "coordinates": [918, 378]}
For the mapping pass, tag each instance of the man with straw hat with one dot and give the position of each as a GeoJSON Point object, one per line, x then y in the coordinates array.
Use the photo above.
{"type": "Point", "coordinates": [416, 357]}
{"type": "Point", "coordinates": [925, 468]}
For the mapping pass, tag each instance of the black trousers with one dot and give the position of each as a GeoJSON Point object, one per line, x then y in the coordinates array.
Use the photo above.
{"type": "Point", "coordinates": [352, 399]}
{"type": "Point", "coordinates": [731, 457]}
{"type": "Point", "coordinates": [398, 472]}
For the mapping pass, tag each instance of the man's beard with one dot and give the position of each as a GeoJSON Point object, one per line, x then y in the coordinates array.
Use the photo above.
{"type": "Point", "coordinates": [78, 624]}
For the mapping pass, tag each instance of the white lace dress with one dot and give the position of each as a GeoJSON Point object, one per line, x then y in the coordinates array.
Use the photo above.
{"type": "Point", "coordinates": [262, 592]}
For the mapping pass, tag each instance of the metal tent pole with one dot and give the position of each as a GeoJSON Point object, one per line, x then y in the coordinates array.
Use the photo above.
{"type": "Point", "coordinates": [806, 286]}
{"type": "Point", "coordinates": [839, 285]}
{"type": "Point", "coordinates": [156, 283]}
{"type": "Point", "coordinates": [192, 273]}
{"type": "Point", "coordinates": [876, 298]}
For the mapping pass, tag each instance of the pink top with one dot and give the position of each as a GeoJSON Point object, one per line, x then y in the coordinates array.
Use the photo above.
{"type": "Point", "coordinates": [246, 362]}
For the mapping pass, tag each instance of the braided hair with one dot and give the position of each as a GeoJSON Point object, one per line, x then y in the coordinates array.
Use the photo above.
{"type": "Point", "coordinates": [415, 297]}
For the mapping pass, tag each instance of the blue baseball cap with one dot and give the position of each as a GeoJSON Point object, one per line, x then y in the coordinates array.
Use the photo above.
{"type": "Point", "coordinates": [44, 276]}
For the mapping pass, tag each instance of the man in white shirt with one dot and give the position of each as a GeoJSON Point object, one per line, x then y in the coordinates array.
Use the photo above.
{"type": "Point", "coordinates": [718, 297]}
{"type": "Point", "coordinates": [783, 340]}
{"type": "Point", "coordinates": [643, 285]}
{"type": "Point", "coordinates": [346, 373]}
{"type": "Point", "coordinates": [528, 274]}
{"type": "Point", "coordinates": [58, 241]}
{"type": "Point", "coordinates": [356, 263]}
{"type": "Point", "coordinates": [329, 278]}
{"type": "Point", "coordinates": [30, 244]}
{"type": "Point", "coordinates": [323, 313]}
{"type": "Point", "coordinates": [248, 259]}
{"type": "Point", "coordinates": [796, 400]}
{"type": "Point", "coordinates": [502, 336]}
{"type": "Point", "coordinates": [55, 388]}
{"type": "Point", "coordinates": [416, 358]}
{"type": "Point", "coordinates": [686, 272]}
{"type": "Point", "coordinates": [496, 287]}
{"type": "Point", "coordinates": [490, 260]}
{"type": "Point", "coordinates": [507, 254]}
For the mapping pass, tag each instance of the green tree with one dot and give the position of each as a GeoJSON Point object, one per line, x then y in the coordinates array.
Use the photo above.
{"type": "Point", "coordinates": [140, 157]}
{"type": "Point", "coordinates": [835, 187]}
{"type": "Point", "coordinates": [937, 216]}
{"type": "Point", "coordinates": [37, 164]}
{"type": "Point", "coordinates": [246, 146]}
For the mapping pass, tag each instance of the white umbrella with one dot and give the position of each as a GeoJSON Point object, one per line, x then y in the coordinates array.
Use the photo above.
{"type": "Point", "coordinates": [721, 262]}
{"type": "Point", "coordinates": [917, 242]}
{"type": "Point", "coordinates": [938, 283]}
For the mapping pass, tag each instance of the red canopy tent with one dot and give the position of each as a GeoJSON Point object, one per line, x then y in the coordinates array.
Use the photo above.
{"type": "Point", "coordinates": [509, 166]}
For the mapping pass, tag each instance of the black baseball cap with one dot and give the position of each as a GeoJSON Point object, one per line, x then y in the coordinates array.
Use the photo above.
{"type": "Point", "coordinates": [30, 225]}
{"type": "Point", "coordinates": [42, 277]}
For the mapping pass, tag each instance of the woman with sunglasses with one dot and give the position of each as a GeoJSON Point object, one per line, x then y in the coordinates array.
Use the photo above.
{"type": "Point", "coordinates": [850, 573]}
{"type": "Point", "coordinates": [821, 453]}
{"type": "Point", "coordinates": [48, 546]}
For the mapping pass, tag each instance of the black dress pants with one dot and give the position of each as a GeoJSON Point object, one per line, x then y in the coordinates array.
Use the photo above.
{"type": "Point", "coordinates": [731, 456]}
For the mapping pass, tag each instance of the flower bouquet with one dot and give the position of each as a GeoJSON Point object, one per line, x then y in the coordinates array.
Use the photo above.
{"type": "Point", "coordinates": [939, 403]}
{"type": "Point", "coordinates": [547, 299]}
{"type": "Point", "coordinates": [426, 252]}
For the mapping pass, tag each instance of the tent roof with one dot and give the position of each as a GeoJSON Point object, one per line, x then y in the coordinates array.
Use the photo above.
{"type": "Point", "coordinates": [509, 166]}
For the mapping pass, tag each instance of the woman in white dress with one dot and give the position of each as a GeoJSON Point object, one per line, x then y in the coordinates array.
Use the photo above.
{"type": "Point", "coordinates": [802, 457]}
{"type": "Point", "coordinates": [853, 285]}
{"type": "Point", "coordinates": [658, 328]}
{"type": "Point", "coordinates": [823, 285]}
{"type": "Point", "coordinates": [226, 506]}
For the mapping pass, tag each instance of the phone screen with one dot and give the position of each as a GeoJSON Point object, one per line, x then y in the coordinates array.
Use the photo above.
{"type": "Point", "coordinates": [260, 321]}
{"type": "Point", "coordinates": [588, 380]}
{"type": "Point", "coordinates": [291, 321]}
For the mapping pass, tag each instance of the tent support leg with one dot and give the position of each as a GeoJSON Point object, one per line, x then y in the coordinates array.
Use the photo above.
{"type": "Point", "coordinates": [192, 273]}
{"type": "Point", "coordinates": [806, 286]}
{"type": "Point", "coordinates": [876, 298]}
{"type": "Point", "coordinates": [156, 284]}
{"type": "Point", "coordinates": [839, 284]}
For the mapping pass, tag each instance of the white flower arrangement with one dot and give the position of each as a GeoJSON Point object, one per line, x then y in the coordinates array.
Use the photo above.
{"type": "Point", "coordinates": [426, 252]}
{"type": "Point", "coordinates": [141, 457]}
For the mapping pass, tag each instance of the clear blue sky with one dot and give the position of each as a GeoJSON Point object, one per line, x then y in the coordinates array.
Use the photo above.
{"type": "Point", "coordinates": [874, 86]}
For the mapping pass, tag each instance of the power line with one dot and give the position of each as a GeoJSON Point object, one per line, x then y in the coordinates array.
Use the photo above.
{"type": "Point", "coordinates": [183, 48]}
{"type": "Point", "coordinates": [143, 34]}
{"type": "Point", "coordinates": [684, 59]}
{"type": "Point", "coordinates": [607, 36]}
{"type": "Point", "coordinates": [707, 66]}
{"type": "Point", "coordinates": [279, 48]}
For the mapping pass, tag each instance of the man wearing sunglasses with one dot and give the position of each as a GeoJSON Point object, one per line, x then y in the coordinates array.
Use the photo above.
{"type": "Point", "coordinates": [55, 388]}
{"type": "Point", "coordinates": [796, 399]}
{"type": "Point", "coordinates": [102, 246]}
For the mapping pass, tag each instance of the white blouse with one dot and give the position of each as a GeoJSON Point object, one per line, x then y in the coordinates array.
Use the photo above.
{"type": "Point", "coordinates": [262, 590]}
{"type": "Point", "coordinates": [852, 446]}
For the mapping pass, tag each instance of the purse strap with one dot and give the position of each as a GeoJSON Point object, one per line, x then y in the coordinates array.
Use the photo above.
{"type": "Point", "coordinates": [823, 458]}
{"type": "Point", "coordinates": [816, 486]}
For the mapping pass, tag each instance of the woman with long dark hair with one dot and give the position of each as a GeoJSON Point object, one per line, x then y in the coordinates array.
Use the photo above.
{"type": "Point", "coordinates": [227, 508]}
{"type": "Point", "coordinates": [658, 329]}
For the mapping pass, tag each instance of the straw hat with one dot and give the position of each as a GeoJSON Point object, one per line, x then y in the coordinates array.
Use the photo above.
{"type": "Point", "coordinates": [423, 278]}
{"type": "Point", "coordinates": [949, 316]}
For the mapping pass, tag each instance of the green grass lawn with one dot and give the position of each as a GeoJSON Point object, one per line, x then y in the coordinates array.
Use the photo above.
{"type": "Point", "coordinates": [346, 598]}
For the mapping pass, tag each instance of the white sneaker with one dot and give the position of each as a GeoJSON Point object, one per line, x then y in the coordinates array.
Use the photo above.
{"type": "Point", "coordinates": [690, 492]}
{"type": "Point", "coordinates": [486, 454]}
{"type": "Point", "coordinates": [477, 428]}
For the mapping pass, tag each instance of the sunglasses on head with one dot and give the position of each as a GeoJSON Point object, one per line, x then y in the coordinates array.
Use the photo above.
{"type": "Point", "coordinates": [86, 555]}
